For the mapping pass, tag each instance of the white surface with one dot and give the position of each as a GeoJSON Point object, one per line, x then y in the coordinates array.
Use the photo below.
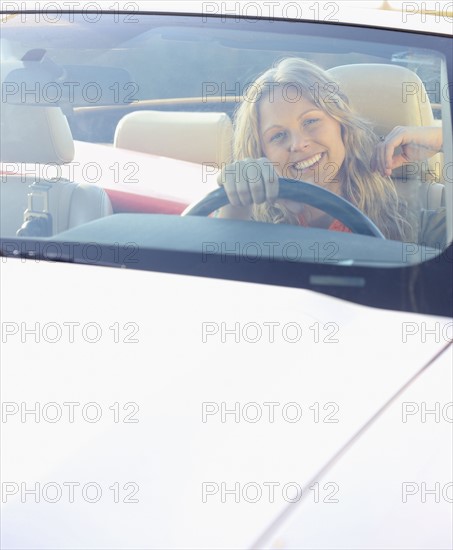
{"type": "Point", "coordinates": [170, 452]}
{"type": "Point", "coordinates": [386, 481]}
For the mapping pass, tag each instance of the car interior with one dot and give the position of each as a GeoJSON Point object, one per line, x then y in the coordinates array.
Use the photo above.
{"type": "Point", "coordinates": [192, 128]}
{"type": "Point", "coordinates": [44, 137]}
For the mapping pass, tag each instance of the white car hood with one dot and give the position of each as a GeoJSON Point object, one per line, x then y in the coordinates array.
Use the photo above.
{"type": "Point", "coordinates": [171, 452]}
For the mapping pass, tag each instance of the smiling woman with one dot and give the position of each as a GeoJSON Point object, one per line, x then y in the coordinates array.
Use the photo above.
{"type": "Point", "coordinates": [300, 124]}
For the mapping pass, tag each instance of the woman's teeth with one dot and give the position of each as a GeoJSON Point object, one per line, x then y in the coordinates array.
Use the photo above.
{"type": "Point", "coordinates": [307, 163]}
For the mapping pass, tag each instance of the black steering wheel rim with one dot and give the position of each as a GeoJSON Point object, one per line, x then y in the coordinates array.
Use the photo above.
{"type": "Point", "coordinates": [300, 191]}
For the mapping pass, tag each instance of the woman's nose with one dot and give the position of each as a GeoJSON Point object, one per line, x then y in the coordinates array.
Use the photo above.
{"type": "Point", "coordinates": [299, 141]}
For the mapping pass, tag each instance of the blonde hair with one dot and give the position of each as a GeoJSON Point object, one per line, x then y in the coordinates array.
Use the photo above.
{"type": "Point", "coordinates": [372, 193]}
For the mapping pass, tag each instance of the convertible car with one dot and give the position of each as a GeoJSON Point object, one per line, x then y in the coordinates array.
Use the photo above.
{"type": "Point", "coordinates": [174, 378]}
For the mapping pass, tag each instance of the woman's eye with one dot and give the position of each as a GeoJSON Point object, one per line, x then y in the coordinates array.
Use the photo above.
{"type": "Point", "coordinates": [310, 121]}
{"type": "Point", "coordinates": [278, 136]}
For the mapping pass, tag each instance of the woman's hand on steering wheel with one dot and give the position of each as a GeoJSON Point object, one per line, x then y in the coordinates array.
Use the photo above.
{"type": "Point", "coordinates": [249, 181]}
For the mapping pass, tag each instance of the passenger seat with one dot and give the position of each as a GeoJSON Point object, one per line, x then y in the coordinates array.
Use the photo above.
{"type": "Point", "coordinates": [203, 138]}
{"type": "Point", "coordinates": [30, 138]}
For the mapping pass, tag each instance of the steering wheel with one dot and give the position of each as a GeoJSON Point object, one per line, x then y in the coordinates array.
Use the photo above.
{"type": "Point", "coordinates": [300, 191]}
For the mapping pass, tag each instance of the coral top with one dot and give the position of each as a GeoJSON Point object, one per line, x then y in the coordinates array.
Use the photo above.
{"type": "Point", "coordinates": [334, 226]}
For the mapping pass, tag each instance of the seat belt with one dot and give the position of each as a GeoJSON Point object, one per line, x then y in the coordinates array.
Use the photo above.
{"type": "Point", "coordinates": [38, 221]}
{"type": "Point", "coordinates": [435, 196]}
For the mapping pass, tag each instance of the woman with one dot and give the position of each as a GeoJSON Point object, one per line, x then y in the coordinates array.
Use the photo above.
{"type": "Point", "coordinates": [295, 124]}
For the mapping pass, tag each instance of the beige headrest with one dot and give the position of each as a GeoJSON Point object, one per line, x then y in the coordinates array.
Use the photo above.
{"type": "Point", "coordinates": [387, 96]}
{"type": "Point", "coordinates": [190, 136]}
{"type": "Point", "coordinates": [35, 134]}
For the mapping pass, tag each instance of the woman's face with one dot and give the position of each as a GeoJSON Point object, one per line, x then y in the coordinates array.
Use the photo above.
{"type": "Point", "coordinates": [301, 140]}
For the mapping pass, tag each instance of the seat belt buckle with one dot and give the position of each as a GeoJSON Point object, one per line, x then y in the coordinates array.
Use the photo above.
{"type": "Point", "coordinates": [37, 218]}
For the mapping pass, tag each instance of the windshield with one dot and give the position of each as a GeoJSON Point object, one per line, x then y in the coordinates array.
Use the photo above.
{"type": "Point", "coordinates": [328, 137]}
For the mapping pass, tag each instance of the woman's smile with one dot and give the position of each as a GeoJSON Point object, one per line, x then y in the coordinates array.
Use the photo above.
{"type": "Point", "coordinates": [304, 167]}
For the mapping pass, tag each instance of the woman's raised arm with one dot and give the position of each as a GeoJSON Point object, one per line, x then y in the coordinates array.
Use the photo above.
{"type": "Point", "coordinates": [415, 142]}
